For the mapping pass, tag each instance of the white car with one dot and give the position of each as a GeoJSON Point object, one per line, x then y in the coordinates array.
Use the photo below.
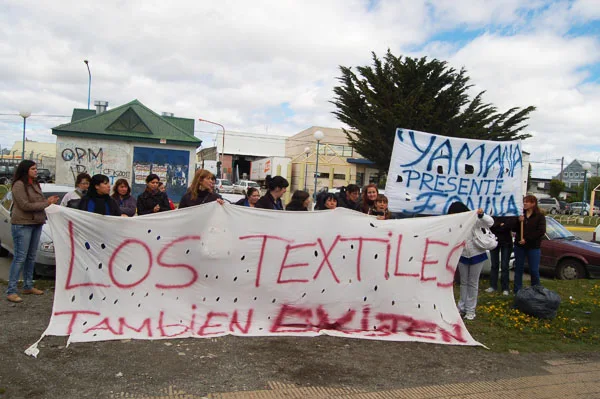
{"type": "Point", "coordinates": [243, 185]}
{"type": "Point", "coordinates": [223, 186]}
{"type": "Point", "coordinates": [45, 261]}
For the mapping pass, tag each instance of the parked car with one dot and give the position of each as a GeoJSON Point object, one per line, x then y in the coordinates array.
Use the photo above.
{"type": "Point", "coordinates": [45, 261]}
{"type": "Point", "coordinates": [549, 205]}
{"type": "Point", "coordinates": [567, 256]}
{"type": "Point", "coordinates": [580, 208]}
{"type": "Point", "coordinates": [6, 173]}
{"type": "Point", "coordinates": [565, 207]}
{"type": "Point", "coordinates": [243, 185]}
{"type": "Point", "coordinates": [45, 176]}
{"type": "Point", "coordinates": [223, 186]}
{"type": "Point", "coordinates": [232, 198]}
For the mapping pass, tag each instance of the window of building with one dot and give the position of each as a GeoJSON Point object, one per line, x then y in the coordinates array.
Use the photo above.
{"type": "Point", "coordinates": [339, 150]}
{"type": "Point", "coordinates": [577, 175]}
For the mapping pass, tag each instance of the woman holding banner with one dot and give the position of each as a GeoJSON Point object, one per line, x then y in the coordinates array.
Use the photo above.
{"type": "Point", "coordinates": [530, 230]}
{"type": "Point", "coordinates": [276, 186]}
{"type": "Point", "coordinates": [98, 199]}
{"type": "Point", "coordinates": [348, 197]}
{"type": "Point", "coordinates": [470, 263]}
{"type": "Point", "coordinates": [369, 195]}
{"type": "Point", "coordinates": [152, 200]}
{"type": "Point", "coordinates": [201, 191]}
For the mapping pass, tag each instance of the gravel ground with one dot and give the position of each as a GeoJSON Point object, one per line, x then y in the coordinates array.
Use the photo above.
{"type": "Point", "coordinates": [200, 366]}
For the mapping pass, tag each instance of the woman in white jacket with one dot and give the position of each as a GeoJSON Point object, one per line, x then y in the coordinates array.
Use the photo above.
{"type": "Point", "coordinates": [470, 263]}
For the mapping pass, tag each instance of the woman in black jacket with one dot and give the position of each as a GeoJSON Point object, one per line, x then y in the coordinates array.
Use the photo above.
{"type": "Point", "coordinates": [276, 186]}
{"type": "Point", "coordinates": [201, 190]}
{"type": "Point", "coordinates": [152, 200]}
{"type": "Point", "coordinates": [348, 197]}
{"type": "Point", "coordinates": [98, 199]}
{"type": "Point", "coordinates": [533, 224]}
{"type": "Point", "coordinates": [300, 201]}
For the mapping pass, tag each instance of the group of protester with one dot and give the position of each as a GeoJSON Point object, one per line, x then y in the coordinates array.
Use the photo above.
{"type": "Point", "coordinates": [92, 194]}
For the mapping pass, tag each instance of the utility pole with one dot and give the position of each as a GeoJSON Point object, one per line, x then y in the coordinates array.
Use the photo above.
{"type": "Point", "coordinates": [562, 162]}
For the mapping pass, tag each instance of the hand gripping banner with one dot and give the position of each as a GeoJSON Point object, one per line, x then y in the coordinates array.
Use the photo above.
{"type": "Point", "coordinates": [213, 270]}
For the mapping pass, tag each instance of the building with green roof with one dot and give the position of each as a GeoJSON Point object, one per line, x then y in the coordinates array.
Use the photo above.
{"type": "Point", "coordinates": [130, 142]}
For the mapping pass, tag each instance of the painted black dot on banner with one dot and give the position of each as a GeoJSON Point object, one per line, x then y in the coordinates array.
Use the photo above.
{"type": "Point", "coordinates": [235, 278]}
{"type": "Point", "coordinates": [323, 291]}
{"type": "Point", "coordinates": [260, 328]}
{"type": "Point", "coordinates": [269, 317]}
{"type": "Point", "coordinates": [449, 229]}
{"type": "Point", "coordinates": [162, 294]}
{"type": "Point", "coordinates": [102, 246]}
{"type": "Point", "coordinates": [139, 304]}
{"type": "Point", "coordinates": [247, 270]}
{"type": "Point", "coordinates": [104, 299]}
{"type": "Point", "coordinates": [87, 268]}
{"type": "Point", "coordinates": [133, 293]}
{"type": "Point", "coordinates": [343, 256]}
{"type": "Point", "coordinates": [129, 267]}
{"type": "Point", "coordinates": [234, 300]}
{"type": "Point", "coordinates": [91, 296]}
{"type": "Point", "coordinates": [218, 298]}
{"type": "Point", "coordinates": [73, 298]}
{"type": "Point", "coordinates": [157, 238]}
{"type": "Point", "coordinates": [95, 335]}
{"type": "Point", "coordinates": [351, 246]}
{"type": "Point", "coordinates": [419, 306]}
{"type": "Point", "coordinates": [255, 298]}
{"type": "Point", "coordinates": [99, 265]}
{"type": "Point", "coordinates": [176, 298]}
{"type": "Point", "coordinates": [350, 281]}
{"type": "Point", "coordinates": [149, 231]}
{"type": "Point", "coordinates": [375, 288]}
{"type": "Point", "coordinates": [375, 257]}
{"type": "Point", "coordinates": [204, 299]}
{"type": "Point", "coordinates": [460, 226]}
{"type": "Point", "coordinates": [398, 179]}
{"type": "Point", "coordinates": [411, 258]}
{"type": "Point", "coordinates": [416, 236]}
{"type": "Point", "coordinates": [393, 303]}
{"type": "Point", "coordinates": [434, 307]}
{"type": "Point", "coordinates": [85, 322]}
{"type": "Point", "coordinates": [440, 170]}
{"type": "Point", "coordinates": [243, 257]}
{"type": "Point", "coordinates": [115, 302]}
{"type": "Point", "coordinates": [206, 275]}
{"type": "Point", "coordinates": [216, 277]}
{"type": "Point", "coordinates": [303, 295]}
{"type": "Point", "coordinates": [146, 295]}
{"type": "Point", "coordinates": [87, 245]}
{"type": "Point", "coordinates": [372, 225]}
{"type": "Point", "coordinates": [365, 299]}
{"type": "Point", "coordinates": [187, 252]}
{"type": "Point", "coordinates": [316, 254]}
{"type": "Point", "coordinates": [274, 300]}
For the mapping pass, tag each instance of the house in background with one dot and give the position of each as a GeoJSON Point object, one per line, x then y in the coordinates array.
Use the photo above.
{"type": "Point", "coordinates": [573, 174]}
{"type": "Point", "coordinates": [130, 141]}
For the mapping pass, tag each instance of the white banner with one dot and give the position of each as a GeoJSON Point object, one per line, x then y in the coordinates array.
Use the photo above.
{"type": "Point", "coordinates": [214, 270]}
{"type": "Point", "coordinates": [429, 172]}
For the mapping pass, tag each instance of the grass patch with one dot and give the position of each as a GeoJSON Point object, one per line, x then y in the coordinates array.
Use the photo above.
{"type": "Point", "coordinates": [576, 327]}
{"type": "Point", "coordinates": [48, 284]}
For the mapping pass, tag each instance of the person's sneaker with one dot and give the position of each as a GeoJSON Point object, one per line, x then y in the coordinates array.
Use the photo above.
{"type": "Point", "coordinates": [14, 298]}
{"type": "Point", "coordinates": [470, 316]}
{"type": "Point", "coordinates": [33, 291]}
{"type": "Point", "coordinates": [505, 293]}
{"type": "Point", "coordinates": [490, 290]}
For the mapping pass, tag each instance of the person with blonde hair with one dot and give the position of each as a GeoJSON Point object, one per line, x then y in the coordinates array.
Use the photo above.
{"type": "Point", "coordinates": [201, 191]}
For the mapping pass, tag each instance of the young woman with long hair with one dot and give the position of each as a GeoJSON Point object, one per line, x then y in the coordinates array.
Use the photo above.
{"type": "Point", "coordinates": [27, 218]}
{"type": "Point", "coordinates": [98, 199]}
{"type": "Point", "coordinates": [82, 183]}
{"type": "Point", "coordinates": [152, 200]}
{"type": "Point", "coordinates": [369, 195]}
{"type": "Point", "coordinates": [300, 201]}
{"type": "Point", "coordinates": [326, 201]}
{"type": "Point", "coordinates": [251, 198]}
{"type": "Point", "coordinates": [122, 194]}
{"type": "Point", "coordinates": [527, 244]}
{"type": "Point", "coordinates": [201, 191]}
{"type": "Point", "coordinates": [276, 186]}
{"type": "Point", "coordinates": [348, 197]}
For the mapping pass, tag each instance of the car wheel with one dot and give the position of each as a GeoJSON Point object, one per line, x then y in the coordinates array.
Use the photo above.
{"type": "Point", "coordinates": [4, 180]}
{"type": "Point", "coordinates": [570, 269]}
{"type": "Point", "coordinates": [585, 213]}
{"type": "Point", "coordinates": [553, 211]}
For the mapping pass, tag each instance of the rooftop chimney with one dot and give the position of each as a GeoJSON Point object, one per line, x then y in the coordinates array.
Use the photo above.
{"type": "Point", "coordinates": [168, 114]}
{"type": "Point", "coordinates": [100, 106]}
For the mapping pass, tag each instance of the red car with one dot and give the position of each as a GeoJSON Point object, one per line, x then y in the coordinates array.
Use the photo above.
{"type": "Point", "coordinates": [568, 256]}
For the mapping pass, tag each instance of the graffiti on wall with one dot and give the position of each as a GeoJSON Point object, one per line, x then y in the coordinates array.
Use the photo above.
{"type": "Point", "coordinates": [92, 158]}
{"type": "Point", "coordinates": [171, 166]}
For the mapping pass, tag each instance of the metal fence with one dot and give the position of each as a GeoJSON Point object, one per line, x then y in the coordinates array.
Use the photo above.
{"type": "Point", "coordinates": [576, 219]}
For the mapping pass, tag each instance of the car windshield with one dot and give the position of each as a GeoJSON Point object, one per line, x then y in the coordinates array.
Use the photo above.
{"type": "Point", "coordinates": [555, 230]}
{"type": "Point", "coordinates": [225, 182]}
{"type": "Point", "coordinates": [252, 184]}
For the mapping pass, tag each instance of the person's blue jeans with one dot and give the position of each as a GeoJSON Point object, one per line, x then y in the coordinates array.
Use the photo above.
{"type": "Point", "coordinates": [533, 260]}
{"type": "Point", "coordinates": [26, 239]}
{"type": "Point", "coordinates": [499, 258]}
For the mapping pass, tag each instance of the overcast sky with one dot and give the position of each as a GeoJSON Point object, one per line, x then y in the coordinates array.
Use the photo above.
{"type": "Point", "coordinates": [270, 66]}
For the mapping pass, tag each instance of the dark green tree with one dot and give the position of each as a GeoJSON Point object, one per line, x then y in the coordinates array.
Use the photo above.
{"type": "Point", "coordinates": [419, 94]}
{"type": "Point", "coordinates": [556, 187]}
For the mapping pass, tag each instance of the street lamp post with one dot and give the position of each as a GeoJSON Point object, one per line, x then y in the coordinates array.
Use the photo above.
{"type": "Point", "coordinates": [306, 151]}
{"type": "Point", "coordinates": [586, 166]}
{"type": "Point", "coordinates": [86, 62]}
{"type": "Point", "coordinates": [223, 144]}
{"type": "Point", "coordinates": [24, 115]}
{"type": "Point", "coordinates": [318, 135]}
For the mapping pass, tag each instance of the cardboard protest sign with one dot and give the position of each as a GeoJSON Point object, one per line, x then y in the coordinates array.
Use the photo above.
{"type": "Point", "coordinates": [213, 270]}
{"type": "Point", "coordinates": [429, 172]}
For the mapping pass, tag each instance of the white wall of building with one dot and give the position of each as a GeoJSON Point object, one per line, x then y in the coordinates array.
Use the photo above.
{"type": "Point", "coordinates": [112, 158]}
{"type": "Point", "coordinates": [251, 144]}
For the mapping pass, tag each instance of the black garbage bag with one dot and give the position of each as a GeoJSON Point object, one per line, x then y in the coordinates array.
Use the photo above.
{"type": "Point", "coordinates": [537, 301]}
